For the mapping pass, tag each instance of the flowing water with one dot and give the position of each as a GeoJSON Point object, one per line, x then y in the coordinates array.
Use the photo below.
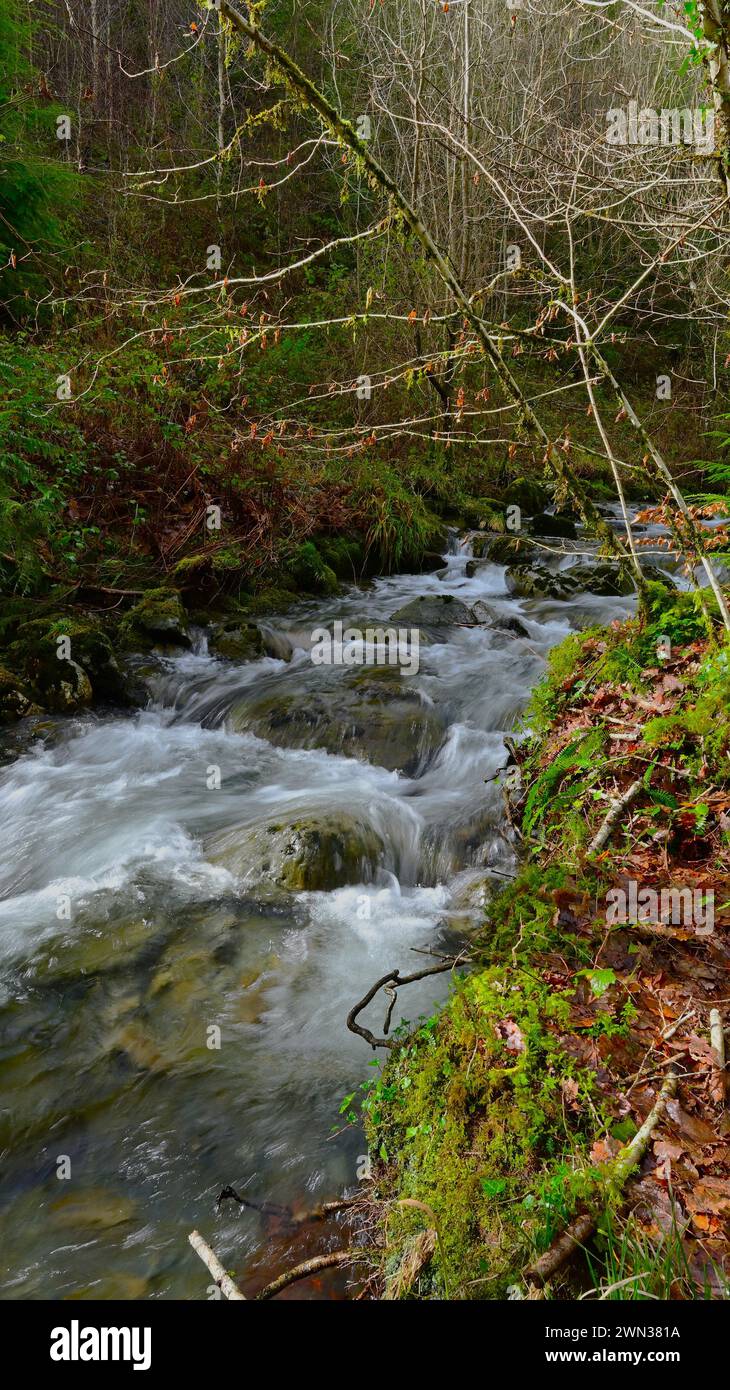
{"type": "Point", "coordinates": [137, 918]}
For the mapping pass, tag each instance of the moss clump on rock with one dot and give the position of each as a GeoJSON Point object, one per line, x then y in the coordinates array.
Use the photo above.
{"type": "Point", "coordinates": [67, 661]}
{"type": "Point", "coordinates": [310, 571]}
{"type": "Point", "coordinates": [16, 701]}
{"type": "Point", "coordinates": [313, 854]}
{"type": "Point", "coordinates": [529, 494]}
{"type": "Point", "coordinates": [235, 640]}
{"type": "Point", "coordinates": [158, 619]}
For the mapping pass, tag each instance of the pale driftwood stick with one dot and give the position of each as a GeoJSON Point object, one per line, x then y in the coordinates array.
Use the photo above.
{"type": "Point", "coordinates": [290, 1276]}
{"type": "Point", "coordinates": [213, 1264]}
{"type": "Point", "coordinates": [717, 1043]}
{"type": "Point", "coordinates": [609, 824]}
{"type": "Point", "coordinates": [635, 1150]}
{"type": "Point", "coordinates": [578, 1232]}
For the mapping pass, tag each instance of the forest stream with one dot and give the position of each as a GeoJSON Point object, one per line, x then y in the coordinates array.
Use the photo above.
{"type": "Point", "coordinates": [179, 926]}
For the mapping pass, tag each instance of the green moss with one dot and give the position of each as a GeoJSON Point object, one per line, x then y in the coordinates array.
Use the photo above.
{"type": "Point", "coordinates": [273, 599]}
{"type": "Point", "coordinates": [701, 729]}
{"type": "Point", "coordinates": [473, 1112]}
{"type": "Point", "coordinates": [344, 555]}
{"type": "Point", "coordinates": [310, 571]}
{"type": "Point", "coordinates": [529, 494]}
{"type": "Point", "coordinates": [159, 617]}
{"type": "Point", "coordinates": [15, 699]}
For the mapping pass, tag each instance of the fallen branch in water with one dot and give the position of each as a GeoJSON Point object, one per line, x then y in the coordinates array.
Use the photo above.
{"type": "Point", "coordinates": [395, 979]}
{"type": "Point", "coordinates": [302, 1271]}
{"type": "Point", "coordinates": [228, 1288]}
{"type": "Point", "coordinates": [321, 1213]}
{"type": "Point", "coordinates": [579, 1230]}
{"type": "Point", "coordinates": [614, 815]}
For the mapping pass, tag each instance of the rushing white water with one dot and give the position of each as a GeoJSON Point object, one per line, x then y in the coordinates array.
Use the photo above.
{"type": "Point", "coordinates": [170, 928]}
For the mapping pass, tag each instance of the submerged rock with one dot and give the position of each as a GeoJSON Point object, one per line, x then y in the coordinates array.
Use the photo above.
{"type": "Point", "coordinates": [314, 853]}
{"type": "Point", "coordinates": [92, 1210]}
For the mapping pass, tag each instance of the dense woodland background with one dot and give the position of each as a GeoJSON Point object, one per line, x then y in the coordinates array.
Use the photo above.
{"type": "Point", "coordinates": [242, 386]}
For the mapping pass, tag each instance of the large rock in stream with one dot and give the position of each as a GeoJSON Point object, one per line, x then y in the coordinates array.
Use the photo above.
{"type": "Point", "coordinates": [372, 715]}
{"type": "Point", "coordinates": [66, 662]}
{"type": "Point", "coordinates": [432, 611]}
{"type": "Point", "coordinates": [158, 619]}
{"type": "Point", "coordinates": [538, 581]}
{"type": "Point", "coordinates": [316, 852]}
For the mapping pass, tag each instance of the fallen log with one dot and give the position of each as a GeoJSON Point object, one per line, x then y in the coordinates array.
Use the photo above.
{"type": "Point", "coordinates": [614, 815]}
{"type": "Point", "coordinates": [579, 1230]}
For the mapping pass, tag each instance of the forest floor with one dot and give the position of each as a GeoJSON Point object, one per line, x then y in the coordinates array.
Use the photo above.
{"type": "Point", "coordinates": [498, 1122]}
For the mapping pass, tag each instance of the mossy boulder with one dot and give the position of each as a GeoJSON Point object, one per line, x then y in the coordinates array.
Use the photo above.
{"type": "Point", "coordinates": [67, 661]}
{"type": "Point", "coordinates": [502, 549]}
{"type": "Point", "coordinates": [606, 579]}
{"type": "Point", "coordinates": [529, 494]}
{"type": "Point", "coordinates": [16, 701]}
{"type": "Point", "coordinates": [67, 688]}
{"type": "Point", "coordinates": [553, 524]}
{"type": "Point", "coordinates": [158, 619]}
{"type": "Point", "coordinates": [315, 853]}
{"type": "Point", "coordinates": [537, 581]}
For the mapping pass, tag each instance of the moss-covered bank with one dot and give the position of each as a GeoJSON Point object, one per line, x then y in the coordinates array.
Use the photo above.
{"type": "Point", "coordinates": [497, 1120]}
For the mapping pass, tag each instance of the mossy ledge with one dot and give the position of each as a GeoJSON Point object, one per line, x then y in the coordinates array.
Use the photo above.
{"type": "Point", "coordinates": [496, 1121]}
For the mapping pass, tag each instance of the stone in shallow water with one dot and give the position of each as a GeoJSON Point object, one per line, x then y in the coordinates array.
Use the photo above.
{"type": "Point", "coordinates": [433, 610]}
{"type": "Point", "coordinates": [503, 622]}
{"type": "Point", "coordinates": [372, 715]}
{"type": "Point", "coordinates": [313, 853]}
{"type": "Point", "coordinates": [537, 581]}
{"type": "Point", "coordinates": [236, 641]}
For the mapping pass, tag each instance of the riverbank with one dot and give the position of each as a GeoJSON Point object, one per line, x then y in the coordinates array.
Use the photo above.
{"type": "Point", "coordinates": [502, 1118]}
